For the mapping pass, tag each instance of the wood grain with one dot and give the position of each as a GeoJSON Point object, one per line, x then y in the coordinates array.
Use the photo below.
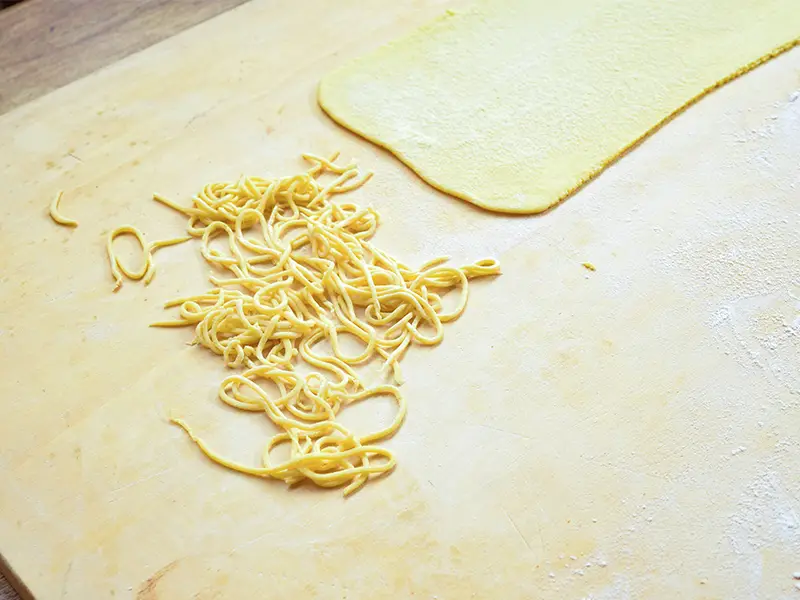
{"type": "Point", "coordinates": [46, 44]}
{"type": "Point", "coordinates": [6, 591]}
{"type": "Point", "coordinates": [9, 591]}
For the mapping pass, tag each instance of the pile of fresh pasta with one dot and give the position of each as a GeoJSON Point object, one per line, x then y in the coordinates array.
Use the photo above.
{"type": "Point", "coordinates": [298, 272]}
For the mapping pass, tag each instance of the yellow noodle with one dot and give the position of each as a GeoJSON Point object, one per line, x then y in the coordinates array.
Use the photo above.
{"type": "Point", "coordinates": [57, 216]}
{"type": "Point", "coordinates": [173, 205]}
{"type": "Point", "coordinates": [117, 268]}
{"type": "Point", "coordinates": [147, 272]}
{"type": "Point", "coordinates": [155, 246]}
{"type": "Point", "coordinates": [299, 270]}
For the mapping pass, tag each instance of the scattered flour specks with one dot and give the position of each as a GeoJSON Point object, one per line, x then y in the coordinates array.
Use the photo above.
{"type": "Point", "coordinates": [766, 514]}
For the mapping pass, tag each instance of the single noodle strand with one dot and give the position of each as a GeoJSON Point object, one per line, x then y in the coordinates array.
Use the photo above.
{"type": "Point", "coordinates": [57, 216]}
{"type": "Point", "coordinates": [148, 270]}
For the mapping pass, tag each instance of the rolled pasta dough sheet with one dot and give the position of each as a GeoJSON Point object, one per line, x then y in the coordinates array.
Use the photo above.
{"type": "Point", "coordinates": [513, 105]}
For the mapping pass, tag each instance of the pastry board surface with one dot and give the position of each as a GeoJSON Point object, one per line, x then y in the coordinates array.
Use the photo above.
{"type": "Point", "coordinates": [629, 432]}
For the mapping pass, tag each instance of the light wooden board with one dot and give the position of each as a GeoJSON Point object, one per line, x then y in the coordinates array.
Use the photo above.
{"type": "Point", "coordinates": [627, 433]}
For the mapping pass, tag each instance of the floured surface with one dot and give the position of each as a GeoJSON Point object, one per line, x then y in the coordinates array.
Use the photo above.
{"type": "Point", "coordinates": [642, 419]}
{"type": "Point", "coordinates": [513, 105]}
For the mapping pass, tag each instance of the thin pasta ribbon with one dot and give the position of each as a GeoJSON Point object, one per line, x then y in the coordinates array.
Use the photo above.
{"type": "Point", "coordinates": [147, 271]}
{"type": "Point", "coordinates": [294, 270]}
{"type": "Point", "coordinates": [56, 215]}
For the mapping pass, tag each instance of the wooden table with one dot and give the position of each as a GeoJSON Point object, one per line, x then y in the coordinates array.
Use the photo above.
{"type": "Point", "coordinates": [46, 44]}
